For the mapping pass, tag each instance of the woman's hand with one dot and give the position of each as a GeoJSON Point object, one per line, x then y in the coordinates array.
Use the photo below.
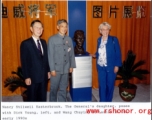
{"type": "Point", "coordinates": [116, 69]}
{"type": "Point", "coordinates": [53, 73]}
{"type": "Point", "coordinates": [93, 55]}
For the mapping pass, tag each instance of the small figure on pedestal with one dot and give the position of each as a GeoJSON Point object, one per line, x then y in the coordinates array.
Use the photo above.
{"type": "Point", "coordinates": [79, 39]}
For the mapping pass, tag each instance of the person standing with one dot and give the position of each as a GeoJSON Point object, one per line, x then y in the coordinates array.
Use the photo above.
{"type": "Point", "coordinates": [61, 61]}
{"type": "Point", "coordinates": [34, 63]}
{"type": "Point", "coordinates": [108, 56]}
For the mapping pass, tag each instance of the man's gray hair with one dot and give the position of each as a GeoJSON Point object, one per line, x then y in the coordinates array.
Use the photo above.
{"type": "Point", "coordinates": [104, 24]}
{"type": "Point", "coordinates": [62, 21]}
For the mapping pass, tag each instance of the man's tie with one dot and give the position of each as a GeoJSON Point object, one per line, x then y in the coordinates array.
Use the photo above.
{"type": "Point", "coordinates": [39, 47]}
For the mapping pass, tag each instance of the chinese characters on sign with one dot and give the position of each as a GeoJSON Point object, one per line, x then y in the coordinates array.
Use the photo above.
{"type": "Point", "coordinates": [97, 11]}
{"type": "Point", "coordinates": [33, 10]}
{"type": "Point", "coordinates": [50, 9]}
{"type": "Point", "coordinates": [127, 11]}
{"type": "Point", "coordinates": [113, 10]}
{"type": "Point", "coordinates": [4, 12]}
{"type": "Point", "coordinates": [19, 11]}
{"type": "Point", "coordinates": [140, 12]}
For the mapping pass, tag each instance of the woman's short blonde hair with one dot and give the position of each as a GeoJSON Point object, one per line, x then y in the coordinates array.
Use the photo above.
{"type": "Point", "coordinates": [104, 24]}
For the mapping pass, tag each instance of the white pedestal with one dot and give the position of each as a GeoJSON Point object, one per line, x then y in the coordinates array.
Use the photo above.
{"type": "Point", "coordinates": [81, 87]}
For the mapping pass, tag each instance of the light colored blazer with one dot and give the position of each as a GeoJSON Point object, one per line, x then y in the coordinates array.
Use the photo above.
{"type": "Point", "coordinates": [61, 54]}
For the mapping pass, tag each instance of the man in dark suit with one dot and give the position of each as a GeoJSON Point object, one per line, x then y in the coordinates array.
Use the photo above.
{"type": "Point", "coordinates": [34, 62]}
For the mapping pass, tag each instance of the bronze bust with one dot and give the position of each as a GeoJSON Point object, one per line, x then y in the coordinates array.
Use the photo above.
{"type": "Point", "coordinates": [79, 39]}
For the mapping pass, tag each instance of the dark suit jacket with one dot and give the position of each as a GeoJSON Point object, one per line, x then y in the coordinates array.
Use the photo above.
{"type": "Point", "coordinates": [33, 65]}
{"type": "Point", "coordinates": [112, 51]}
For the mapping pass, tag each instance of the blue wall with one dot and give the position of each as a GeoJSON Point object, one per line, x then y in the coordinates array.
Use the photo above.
{"type": "Point", "coordinates": [77, 18]}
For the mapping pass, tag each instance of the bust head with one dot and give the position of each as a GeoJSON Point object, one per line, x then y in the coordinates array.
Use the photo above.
{"type": "Point", "coordinates": [79, 39]}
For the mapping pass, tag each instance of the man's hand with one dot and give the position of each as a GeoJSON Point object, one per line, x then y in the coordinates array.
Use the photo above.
{"type": "Point", "coordinates": [28, 81]}
{"type": "Point", "coordinates": [53, 73]}
{"type": "Point", "coordinates": [49, 75]}
{"type": "Point", "coordinates": [71, 70]}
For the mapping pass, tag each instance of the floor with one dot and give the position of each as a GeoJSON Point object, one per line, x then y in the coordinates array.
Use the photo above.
{"type": "Point", "coordinates": [142, 95]}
